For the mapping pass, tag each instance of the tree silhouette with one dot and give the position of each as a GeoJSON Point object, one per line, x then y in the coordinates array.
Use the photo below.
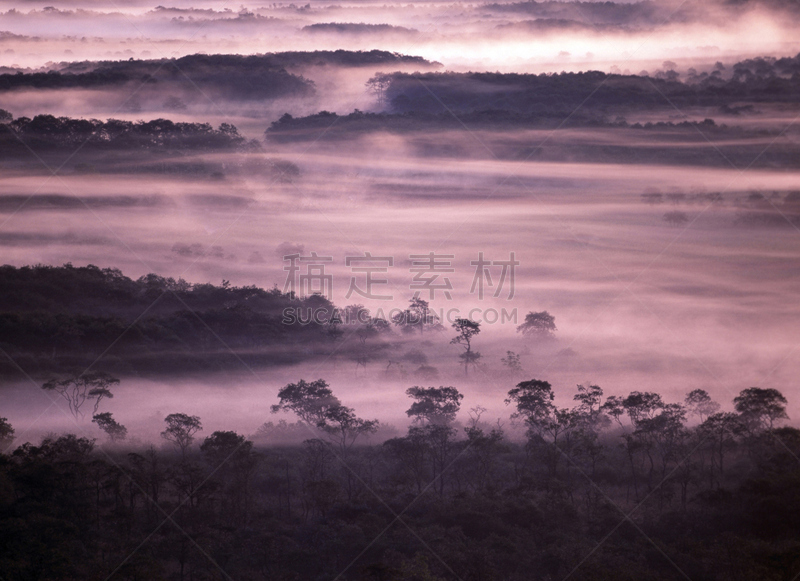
{"type": "Point", "coordinates": [538, 325]}
{"type": "Point", "coordinates": [546, 422]}
{"type": "Point", "coordinates": [344, 427]}
{"type": "Point", "coordinates": [6, 434]}
{"type": "Point", "coordinates": [315, 404]}
{"type": "Point", "coordinates": [417, 316]}
{"type": "Point", "coordinates": [699, 403]}
{"type": "Point", "coordinates": [310, 401]}
{"type": "Point", "coordinates": [377, 85]}
{"type": "Point", "coordinates": [760, 408]}
{"type": "Point", "coordinates": [114, 430]}
{"type": "Point", "coordinates": [92, 386]}
{"type": "Point", "coordinates": [181, 429]}
{"type": "Point", "coordinates": [512, 363]}
{"type": "Point", "coordinates": [434, 405]}
{"type": "Point", "coordinates": [466, 330]}
{"type": "Point", "coordinates": [533, 400]}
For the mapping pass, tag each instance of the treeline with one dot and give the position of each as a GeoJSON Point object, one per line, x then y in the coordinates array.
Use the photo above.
{"type": "Point", "coordinates": [359, 28]}
{"type": "Point", "coordinates": [56, 318]}
{"type": "Point", "coordinates": [731, 144]}
{"type": "Point", "coordinates": [618, 487]}
{"type": "Point", "coordinates": [635, 15]}
{"type": "Point", "coordinates": [275, 60]}
{"type": "Point", "coordinates": [757, 80]}
{"type": "Point", "coordinates": [233, 77]}
{"type": "Point", "coordinates": [614, 13]}
{"type": "Point", "coordinates": [343, 126]}
{"type": "Point", "coordinates": [46, 133]}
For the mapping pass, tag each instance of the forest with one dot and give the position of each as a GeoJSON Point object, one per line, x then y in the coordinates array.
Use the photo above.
{"type": "Point", "coordinates": [641, 488]}
{"type": "Point", "coordinates": [757, 80]}
{"type": "Point", "coordinates": [238, 77]}
{"type": "Point", "coordinates": [55, 318]}
{"type": "Point", "coordinates": [46, 133]}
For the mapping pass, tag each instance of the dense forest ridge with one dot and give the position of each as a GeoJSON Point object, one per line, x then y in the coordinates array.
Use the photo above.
{"type": "Point", "coordinates": [753, 80]}
{"type": "Point", "coordinates": [235, 77]}
{"type": "Point", "coordinates": [46, 133]}
{"type": "Point", "coordinates": [289, 128]}
{"type": "Point", "coordinates": [59, 317]}
{"type": "Point", "coordinates": [574, 482]}
{"type": "Point", "coordinates": [54, 319]}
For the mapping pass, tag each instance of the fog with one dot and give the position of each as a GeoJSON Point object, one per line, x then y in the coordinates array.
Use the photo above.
{"type": "Point", "coordinates": [505, 37]}
{"type": "Point", "coordinates": [640, 304]}
{"type": "Point", "coordinates": [664, 245]}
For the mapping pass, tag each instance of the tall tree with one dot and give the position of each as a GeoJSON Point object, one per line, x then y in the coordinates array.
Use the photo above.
{"type": "Point", "coordinates": [546, 422]}
{"type": "Point", "coordinates": [466, 330]}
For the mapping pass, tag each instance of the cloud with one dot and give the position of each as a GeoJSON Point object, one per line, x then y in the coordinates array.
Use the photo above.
{"type": "Point", "coordinates": [44, 239]}
{"type": "Point", "coordinates": [286, 248]}
{"type": "Point", "coordinates": [198, 250]}
{"type": "Point", "coordinates": [23, 203]}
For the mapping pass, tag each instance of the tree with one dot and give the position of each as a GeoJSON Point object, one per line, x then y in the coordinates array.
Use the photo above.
{"type": "Point", "coordinates": [309, 400]}
{"type": "Point", "coordinates": [590, 419]}
{"type": "Point", "coordinates": [589, 398]}
{"type": "Point", "coordinates": [512, 363]}
{"type": "Point", "coordinates": [181, 429]}
{"type": "Point", "coordinates": [699, 403]}
{"type": "Point", "coordinates": [417, 316]}
{"type": "Point", "coordinates": [466, 329]}
{"type": "Point", "coordinates": [114, 430]}
{"type": "Point", "coordinates": [224, 446]}
{"type": "Point", "coordinates": [435, 408]}
{"type": "Point", "coordinates": [235, 453]}
{"type": "Point", "coordinates": [642, 405]}
{"type": "Point", "coordinates": [614, 408]}
{"type": "Point", "coordinates": [533, 400]}
{"type": "Point", "coordinates": [378, 85]}
{"type": "Point", "coordinates": [315, 404]}
{"type": "Point", "coordinates": [434, 405]}
{"type": "Point", "coordinates": [546, 423]}
{"type": "Point", "coordinates": [538, 325]}
{"type": "Point", "coordinates": [92, 386]}
{"type": "Point", "coordinates": [721, 430]}
{"type": "Point", "coordinates": [344, 427]}
{"type": "Point", "coordinates": [6, 434]}
{"type": "Point", "coordinates": [760, 408]}
{"type": "Point", "coordinates": [370, 327]}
